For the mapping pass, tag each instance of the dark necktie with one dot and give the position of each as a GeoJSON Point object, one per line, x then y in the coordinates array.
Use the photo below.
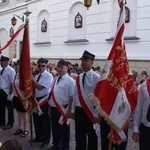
{"type": "Point", "coordinates": [38, 77]}
{"type": "Point", "coordinates": [83, 79]}
{"type": "Point", "coordinates": [58, 79]}
{"type": "Point", "coordinates": [148, 114]}
{"type": "Point", "coordinates": [2, 71]}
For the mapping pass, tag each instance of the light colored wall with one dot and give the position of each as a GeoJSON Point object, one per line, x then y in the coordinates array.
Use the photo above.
{"type": "Point", "coordinates": [99, 27]}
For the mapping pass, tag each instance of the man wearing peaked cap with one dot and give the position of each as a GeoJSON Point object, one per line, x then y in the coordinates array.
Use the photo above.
{"type": "Point", "coordinates": [84, 108]}
{"type": "Point", "coordinates": [60, 106]}
{"type": "Point", "coordinates": [4, 58]}
{"type": "Point", "coordinates": [87, 55]}
{"type": "Point", "coordinates": [42, 60]}
{"type": "Point", "coordinates": [7, 75]}
{"type": "Point", "coordinates": [42, 83]}
{"type": "Point", "coordinates": [62, 63]}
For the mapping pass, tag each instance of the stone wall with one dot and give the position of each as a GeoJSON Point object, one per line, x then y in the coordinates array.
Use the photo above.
{"type": "Point", "coordinates": [136, 65]}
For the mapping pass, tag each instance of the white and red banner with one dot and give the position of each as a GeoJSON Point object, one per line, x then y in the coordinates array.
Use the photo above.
{"type": "Point", "coordinates": [116, 91]}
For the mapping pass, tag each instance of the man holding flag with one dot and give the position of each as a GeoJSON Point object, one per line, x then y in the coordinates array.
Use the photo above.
{"type": "Point", "coordinates": [116, 79]}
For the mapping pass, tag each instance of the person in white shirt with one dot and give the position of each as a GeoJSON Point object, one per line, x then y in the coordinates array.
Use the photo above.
{"type": "Point", "coordinates": [60, 107]}
{"type": "Point", "coordinates": [85, 111]}
{"type": "Point", "coordinates": [42, 83]}
{"type": "Point", "coordinates": [7, 75]}
{"type": "Point", "coordinates": [141, 126]}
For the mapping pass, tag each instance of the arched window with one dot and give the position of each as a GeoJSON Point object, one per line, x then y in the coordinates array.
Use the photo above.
{"type": "Point", "coordinates": [77, 24]}
{"type": "Point", "coordinates": [43, 32]}
{"type": "Point", "coordinates": [130, 20]}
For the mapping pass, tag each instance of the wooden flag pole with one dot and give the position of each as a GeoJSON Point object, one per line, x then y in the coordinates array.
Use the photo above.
{"type": "Point", "coordinates": [27, 13]}
{"type": "Point", "coordinates": [31, 130]}
{"type": "Point", "coordinates": [110, 139]}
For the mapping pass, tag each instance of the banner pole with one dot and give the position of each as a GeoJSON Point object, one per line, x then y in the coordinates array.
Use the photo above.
{"type": "Point", "coordinates": [110, 139]}
{"type": "Point", "coordinates": [27, 13]}
{"type": "Point", "coordinates": [31, 130]}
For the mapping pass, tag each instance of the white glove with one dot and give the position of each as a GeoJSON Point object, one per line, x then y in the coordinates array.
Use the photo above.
{"type": "Point", "coordinates": [96, 127]}
{"type": "Point", "coordinates": [10, 97]}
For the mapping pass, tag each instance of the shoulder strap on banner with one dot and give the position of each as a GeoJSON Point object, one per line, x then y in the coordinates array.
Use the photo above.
{"type": "Point", "coordinates": [82, 102]}
{"type": "Point", "coordinates": [57, 105]}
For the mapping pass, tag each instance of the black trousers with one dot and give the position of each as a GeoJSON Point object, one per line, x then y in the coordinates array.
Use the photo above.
{"type": "Point", "coordinates": [61, 133]}
{"type": "Point", "coordinates": [42, 124]}
{"type": "Point", "coordinates": [105, 130]}
{"type": "Point", "coordinates": [4, 103]}
{"type": "Point", "coordinates": [86, 138]}
{"type": "Point", "coordinates": [144, 137]}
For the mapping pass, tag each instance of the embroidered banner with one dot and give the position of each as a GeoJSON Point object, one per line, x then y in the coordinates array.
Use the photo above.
{"type": "Point", "coordinates": [118, 106]}
{"type": "Point", "coordinates": [25, 74]}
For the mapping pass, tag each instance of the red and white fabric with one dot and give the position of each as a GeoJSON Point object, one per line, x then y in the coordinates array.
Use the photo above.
{"type": "Point", "coordinates": [12, 38]}
{"type": "Point", "coordinates": [40, 103]}
{"type": "Point", "coordinates": [59, 106]}
{"type": "Point", "coordinates": [84, 99]}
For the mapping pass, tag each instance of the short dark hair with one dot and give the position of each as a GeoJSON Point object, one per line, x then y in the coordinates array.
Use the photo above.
{"type": "Point", "coordinates": [11, 145]}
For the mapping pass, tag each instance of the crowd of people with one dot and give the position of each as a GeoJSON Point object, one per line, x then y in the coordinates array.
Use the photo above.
{"type": "Point", "coordinates": [63, 92]}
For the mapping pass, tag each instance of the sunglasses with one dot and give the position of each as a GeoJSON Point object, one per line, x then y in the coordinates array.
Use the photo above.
{"type": "Point", "coordinates": [41, 66]}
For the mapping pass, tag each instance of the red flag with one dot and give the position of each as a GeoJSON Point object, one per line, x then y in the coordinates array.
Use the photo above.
{"type": "Point", "coordinates": [116, 91]}
{"type": "Point", "coordinates": [25, 74]}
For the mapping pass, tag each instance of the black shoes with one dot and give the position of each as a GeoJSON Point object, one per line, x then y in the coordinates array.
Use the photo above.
{"type": "Point", "coordinates": [7, 127]}
{"type": "Point", "coordinates": [18, 131]}
{"type": "Point", "coordinates": [24, 133]}
{"type": "Point", "coordinates": [44, 145]}
{"type": "Point", "coordinates": [51, 148]}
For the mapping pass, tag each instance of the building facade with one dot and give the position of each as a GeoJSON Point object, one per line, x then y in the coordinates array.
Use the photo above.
{"type": "Point", "coordinates": [65, 28]}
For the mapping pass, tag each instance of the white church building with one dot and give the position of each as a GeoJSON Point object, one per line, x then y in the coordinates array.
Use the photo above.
{"type": "Point", "coordinates": [65, 28]}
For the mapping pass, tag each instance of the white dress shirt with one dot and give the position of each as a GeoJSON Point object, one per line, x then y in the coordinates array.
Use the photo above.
{"type": "Point", "coordinates": [63, 90]}
{"type": "Point", "coordinates": [7, 78]}
{"type": "Point", "coordinates": [46, 80]}
{"type": "Point", "coordinates": [90, 82]}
